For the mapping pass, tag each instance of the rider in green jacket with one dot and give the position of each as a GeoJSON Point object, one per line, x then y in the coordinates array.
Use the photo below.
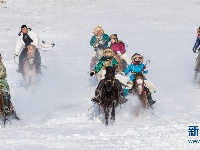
{"type": "Point", "coordinates": [4, 87]}
{"type": "Point", "coordinates": [105, 61]}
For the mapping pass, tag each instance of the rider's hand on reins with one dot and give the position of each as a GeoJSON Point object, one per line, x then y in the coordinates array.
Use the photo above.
{"type": "Point", "coordinates": [92, 73]}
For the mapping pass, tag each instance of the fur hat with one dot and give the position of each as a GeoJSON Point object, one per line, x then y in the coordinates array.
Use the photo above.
{"type": "Point", "coordinates": [136, 55]}
{"type": "Point", "coordinates": [198, 30]}
{"type": "Point", "coordinates": [113, 36]}
{"type": "Point", "coordinates": [98, 28]}
{"type": "Point", "coordinates": [107, 50]}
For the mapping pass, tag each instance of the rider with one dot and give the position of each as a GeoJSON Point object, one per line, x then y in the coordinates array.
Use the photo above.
{"type": "Point", "coordinates": [119, 48]}
{"type": "Point", "coordinates": [99, 40]}
{"type": "Point", "coordinates": [4, 87]}
{"type": "Point", "coordinates": [105, 61]}
{"type": "Point", "coordinates": [197, 43]}
{"type": "Point", "coordinates": [27, 37]}
{"type": "Point", "coordinates": [137, 66]}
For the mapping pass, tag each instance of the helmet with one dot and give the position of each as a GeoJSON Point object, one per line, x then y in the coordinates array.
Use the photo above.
{"type": "Point", "coordinates": [107, 50]}
{"type": "Point", "coordinates": [136, 55]}
{"type": "Point", "coordinates": [98, 28]}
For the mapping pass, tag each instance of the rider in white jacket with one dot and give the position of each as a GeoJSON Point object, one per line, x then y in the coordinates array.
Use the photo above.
{"type": "Point", "coordinates": [27, 37]}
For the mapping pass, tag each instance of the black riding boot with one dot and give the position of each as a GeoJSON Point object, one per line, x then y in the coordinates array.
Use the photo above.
{"type": "Point", "coordinates": [6, 98]}
{"type": "Point", "coordinates": [96, 99]}
{"type": "Point", "coordinates": [122, 99]}
{"type": "Point", "coordinates": [38, 62]}
{"type": "Point", "coordinates": [150, 100]}
{"type": "Point", "coordinates": [21, 60]}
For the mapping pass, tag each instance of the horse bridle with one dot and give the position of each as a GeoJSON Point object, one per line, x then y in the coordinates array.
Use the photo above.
{"type": "Point", "coordinates": [113, 82]}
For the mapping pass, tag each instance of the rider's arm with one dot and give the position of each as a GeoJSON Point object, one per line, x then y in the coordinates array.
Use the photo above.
{"type": "Point", "coordinates": [92, 41]}
{"type": "Point", "coordinates": [143, 69]}
{"type": "Point", "coordinates": [128, 69]}
{"type": "Point", "coordinates": [106, 38]}
{"type": "Point", "coordinates": [98, 67]}
{"type": "Point", "coordinates": [19, 46]}
{"type": "Point", "coordinates": [197, 43]}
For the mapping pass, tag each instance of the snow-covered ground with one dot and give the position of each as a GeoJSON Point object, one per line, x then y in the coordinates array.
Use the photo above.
{"type": "Point", "coordinates": [56, 116]}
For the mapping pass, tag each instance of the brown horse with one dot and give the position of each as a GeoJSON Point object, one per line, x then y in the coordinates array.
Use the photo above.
{"type": "Point", "coordinates": [141, 91]}
{"type": "Point", "coordinates": [6, 111]}
{"type": "Point", "coordinates": [121, 63]}
{"type": "Point", "coordinates": [29, 66]}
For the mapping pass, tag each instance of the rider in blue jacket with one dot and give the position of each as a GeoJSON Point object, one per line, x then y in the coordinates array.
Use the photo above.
{"type": "Point", "coordinates": [137, 66]}
{"type": "Point", "coordinates": [197, 43]}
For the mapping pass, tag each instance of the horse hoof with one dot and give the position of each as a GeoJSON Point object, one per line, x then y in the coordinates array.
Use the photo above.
{"type": "Point", "coordinates": [112, 118]}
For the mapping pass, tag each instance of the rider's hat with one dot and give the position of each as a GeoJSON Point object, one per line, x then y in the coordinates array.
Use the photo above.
{"type": "Point", "coordinates": [98, 28]}
{"type": "Point", "coordinates": [198, 30]}
{"type": "Point", "coordinates": [23, 26]}
{"type": "Point", "coordinates": [107, 50]}
{"type": "Point", "coordinates": [113, 36]}
{"type": "Point", "coordinates": [136, 55]}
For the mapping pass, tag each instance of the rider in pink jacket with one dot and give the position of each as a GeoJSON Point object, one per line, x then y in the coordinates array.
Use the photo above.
{"type": "Point", "coordinates": [118, 47]}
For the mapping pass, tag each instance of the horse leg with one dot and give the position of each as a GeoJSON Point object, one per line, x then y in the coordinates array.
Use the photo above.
{"type": "Point", "coordinates": [106, 111]}
{"type": "Point", "coordinates": [195, 75]}
{"type": "Point", "coordinates": [113, 112]}
{"type": "Point", "coordinates": [26, 78]}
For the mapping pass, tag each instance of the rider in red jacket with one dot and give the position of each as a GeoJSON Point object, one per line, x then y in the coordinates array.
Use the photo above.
{"type": "Point", "coordinates": [118, 47]}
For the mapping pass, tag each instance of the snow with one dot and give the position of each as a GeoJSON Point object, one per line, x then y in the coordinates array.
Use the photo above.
{"type": "Point", "coordinates": [55, 115]}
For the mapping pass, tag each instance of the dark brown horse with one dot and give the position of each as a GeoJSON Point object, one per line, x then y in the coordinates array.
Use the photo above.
{"type": "Point", "coordinates": [109, 94]}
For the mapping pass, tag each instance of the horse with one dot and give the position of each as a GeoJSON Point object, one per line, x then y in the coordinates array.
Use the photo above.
{"type": "Point", "coordinates": [29, 66]}
{"type": "Point", "coordinates": [6, 110]}
{"type": "Point", "coordinates": [141, 91]}
{"type": "Point", "coordinates": [122, 64]}
{"type": "Point", "coordinates": [109, 97]}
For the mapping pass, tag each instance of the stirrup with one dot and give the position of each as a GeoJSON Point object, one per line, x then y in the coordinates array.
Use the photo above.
{"type": "Point", "coordinates": [151, 102]}
{"type": "Point", "coordinates": [95, 100]}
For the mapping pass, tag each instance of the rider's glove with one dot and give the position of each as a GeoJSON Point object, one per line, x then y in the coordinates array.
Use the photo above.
{"type": "Point", "coordinates": [96, 45]}
{"type": "Point", "coordinates": [194, 50]}
{"type": "Point", "coordinates": [53, 44]}
{"type": "Point", "coordinates": [92, 73]}
{"type": "Point", "coordinates": [15, 56]}
{"type": "Point", "coordinates": [144, 67]}
{"type": "Point", "coordinates": [119, 53]}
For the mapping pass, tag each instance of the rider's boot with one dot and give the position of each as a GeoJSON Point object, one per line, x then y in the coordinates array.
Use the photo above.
{"type": "Point", "coordinates": [96, 99]}
{"type": "Point", "coordinates": [150, 100]}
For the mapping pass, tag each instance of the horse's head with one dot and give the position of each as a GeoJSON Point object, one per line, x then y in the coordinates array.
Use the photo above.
{"type": "Point", "coordinates": [31, 54]}
{"type": "Point", "coordinates": [109, 78]}
{"type": "Point", "coordinates": [139, 82]}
